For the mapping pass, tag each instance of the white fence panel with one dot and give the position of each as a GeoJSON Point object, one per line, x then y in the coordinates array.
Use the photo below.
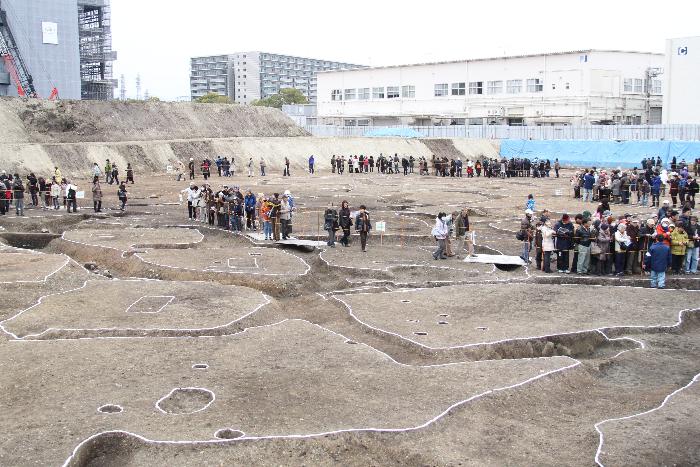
{"type": "Point", "coordinates": [597, 132]}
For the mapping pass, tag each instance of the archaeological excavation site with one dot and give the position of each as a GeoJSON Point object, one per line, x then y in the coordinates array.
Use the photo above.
{"type": "Point", "coordinates": [172, 331]}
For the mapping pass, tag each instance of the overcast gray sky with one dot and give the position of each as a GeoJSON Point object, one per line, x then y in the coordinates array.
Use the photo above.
{"type": "Point", "coordinates": [156, 38]}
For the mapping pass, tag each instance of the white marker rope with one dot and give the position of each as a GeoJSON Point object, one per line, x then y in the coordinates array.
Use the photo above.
{"type": "Point", "coordinates": [597, 426]}
{"type": "Point", "coordinates": [173, 391]}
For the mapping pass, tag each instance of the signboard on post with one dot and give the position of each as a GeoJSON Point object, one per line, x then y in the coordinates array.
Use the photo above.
{"type": "Point", "coordinates": [380, 226]}
{"type": "Point", "coordinates": [50, 32]}
{"type": "Point", "coordinates": [79, 195]}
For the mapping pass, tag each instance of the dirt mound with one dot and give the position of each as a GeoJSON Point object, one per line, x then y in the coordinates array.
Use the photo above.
{"type": "Point", "coordinates": [113, 121]}
{"type": "Point", "coordinates": [443, 148]}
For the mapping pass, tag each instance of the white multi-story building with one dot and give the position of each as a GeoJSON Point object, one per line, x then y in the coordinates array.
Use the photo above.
{"type": "Point", "coordinates": [247, 76]}
{"type": "Point", "coordinates": [682, 93]}
{"type": "Point", "coordinates": [570, 88]}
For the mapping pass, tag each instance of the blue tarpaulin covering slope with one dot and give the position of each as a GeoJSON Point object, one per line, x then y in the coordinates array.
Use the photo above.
{"type": "Point", "coordinates": [395, 132]}
{"type": "Point", "coordinates": [600, 153]}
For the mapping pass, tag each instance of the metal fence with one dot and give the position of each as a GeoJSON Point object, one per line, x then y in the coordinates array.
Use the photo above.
{"type": "Point", "coordinates": [591, 132]}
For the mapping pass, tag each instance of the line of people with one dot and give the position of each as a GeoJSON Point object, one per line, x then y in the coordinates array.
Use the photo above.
{"type": "Point", "coordinates": [603, 244]}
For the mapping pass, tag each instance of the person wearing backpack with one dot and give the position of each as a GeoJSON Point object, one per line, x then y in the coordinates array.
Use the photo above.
{"type": "Point", "coordinates": [330, 224]}
{"type": "Point", "coordinates": [121, 194]}
{"type": "Point", "coordinates": [71, 193]}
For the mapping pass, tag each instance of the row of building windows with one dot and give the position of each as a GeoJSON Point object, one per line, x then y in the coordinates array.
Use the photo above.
{"type": "Point", "coordinates": [512, 86]}
{"type": "Point", "coordinates": [636, 85]}
{"type": "Point", "coordinates": [390, 92]}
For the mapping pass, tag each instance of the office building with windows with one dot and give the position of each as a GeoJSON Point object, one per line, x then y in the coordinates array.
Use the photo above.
{"type": "Point", "coordinates": [567, 88]}
{"type": "Point", "coordinates": [247, 76]}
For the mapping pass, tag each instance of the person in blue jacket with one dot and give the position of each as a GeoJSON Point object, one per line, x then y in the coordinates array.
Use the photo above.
{"type": "Point", "coordinates": [657, 260]}
{"type": "Point", "coordinates": [249, 203]}
{"type": "Point", "coordinates": [588, 182]}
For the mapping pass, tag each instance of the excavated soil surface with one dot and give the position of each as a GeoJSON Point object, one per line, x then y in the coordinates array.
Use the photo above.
{"type": "Point", "coordinates": [142, 338]}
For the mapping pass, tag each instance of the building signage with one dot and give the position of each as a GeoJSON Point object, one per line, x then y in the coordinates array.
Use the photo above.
{"type": "Point", "coordinates": [50, 32]}
{"type": "Point", "coordinates": [682, 50]}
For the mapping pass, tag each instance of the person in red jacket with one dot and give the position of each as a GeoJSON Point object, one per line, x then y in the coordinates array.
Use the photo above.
{"type": "Point", "coordinates": [663, 231]}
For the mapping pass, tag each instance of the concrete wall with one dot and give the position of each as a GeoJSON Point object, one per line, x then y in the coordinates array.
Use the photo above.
{"type": "Point", "coordinates": [682, 93]}
{"type": "Point", "coordinates": [50, 65]}
{"type": "Point", "coordinates": [577, 88]}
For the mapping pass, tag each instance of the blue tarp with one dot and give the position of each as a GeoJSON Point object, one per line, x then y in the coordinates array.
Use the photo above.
{"type": "Point", "coordinates": [395, 132]}
{"type": "Point", "coordinates": [601, 153]}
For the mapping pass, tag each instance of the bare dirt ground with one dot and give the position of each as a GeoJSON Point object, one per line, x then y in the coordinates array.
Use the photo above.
{"type": "Point", "coordinates": [188, 345]}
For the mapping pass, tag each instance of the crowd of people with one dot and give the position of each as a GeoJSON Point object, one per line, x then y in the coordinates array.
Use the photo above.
{"type": "Point", "coordinates": [441, 166]}
{"type": "Point", "coordinates": [649, 183]}
{"type": "Point", "coordinates": [601, 243]}
{"type": "Point", "coordinates": [57, 192]}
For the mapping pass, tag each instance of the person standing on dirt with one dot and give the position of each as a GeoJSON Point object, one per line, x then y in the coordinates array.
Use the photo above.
{"type": "Point", "coordinates": [286, 168]}
{"type": "Point", "coordinates": [190, 166]}
{"type": "Point", "coordinates": [463, 233]}
{"type": "Point", "coordinates": [262, 167]}
{"type": "Point", "coordinates": [18, 194]}
{"type": "Point", "coordinates": [57, 174]}
{"type": "Point", "coordinates": [71, 194]}
{"type": "Point", "coordinates": [285, 216]}
{"type": "Point", "coordinates": [249, 202]}
{"type": "Point", "coordinates": [96, 194]}
{"type": "Point", "coordinates": [275, 205]}
{"type": "Point", "coordinates": [333, 163]}
{"type": "Point", "coordinates": [311, 164]}
{"type": "Point", "coordinates": [96, 171]}
{"type": "Point", "coordinates": [115, 173]}
{"type": "Point", "coordinates": [129, 174]}
{"type": "Point", "coordinates": [192, 194]}
{"type": "Point", "coordinates": [108, 172]}
{"type": "Point", "coordinates": [525, 235]}
{"type": "Point", "coordinates": [330, 224]}
{"type": "Point", "coordinates": [345, 221]}
{"type": "Point", "coordinates": [250, 167]}
{"type": "Point", "coordinates": [33, 185]}
{"type": "Point", "coordinates": [440, 232]}
{"type": "Point", "coordinates": [121, 195]}
{"type": "Point", "coordinates": [363, 225]}
{"type": "Point", "coordinates": [206, 169]}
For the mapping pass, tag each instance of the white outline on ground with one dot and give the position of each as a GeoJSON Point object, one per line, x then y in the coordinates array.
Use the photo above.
{"type": "Point", "coordinates": [25, 251]}
{"type": "Point", "coordinates": [187, 389]}
{"type": "Point", "coordinates": [601, 437]}
{"type": "Point", "coordinates": [600, 329]}
{"type": "Point", "coordinates": [171, 297]}
{"type": "Point", "coordinates": [348, 430]}
{"type": "Point", "coordinates": [30, 337]}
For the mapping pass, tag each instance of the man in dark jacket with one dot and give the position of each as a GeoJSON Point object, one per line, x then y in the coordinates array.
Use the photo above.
{"type": "Point", "coordinates": [18, 195]}
{"type": "Point", "coordinates": [564, 232]}
{"type": "Point", "coordinates": [632, 262]}
{"type": "Point", "coordinates": [363, 225]}
{"type": "Point", "coordinates": [657, 260]}
{"type": "Point", "coordinates": [330, 224]}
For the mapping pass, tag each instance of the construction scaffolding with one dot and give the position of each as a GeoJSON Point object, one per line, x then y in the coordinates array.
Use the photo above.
{"type": "Point", "coordinates": [96, 54]}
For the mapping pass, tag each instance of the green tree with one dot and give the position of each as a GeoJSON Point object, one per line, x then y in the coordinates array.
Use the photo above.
{"type": "Point", "coordinates": [213, 98]}
{"type": "Point", "coordinates": [286, 96]}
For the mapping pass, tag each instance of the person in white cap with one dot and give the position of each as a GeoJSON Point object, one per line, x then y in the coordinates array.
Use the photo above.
{"type": "Point", "coordinates": [664, 210]}
{"type": "Point", "coordinates": [191, 167]}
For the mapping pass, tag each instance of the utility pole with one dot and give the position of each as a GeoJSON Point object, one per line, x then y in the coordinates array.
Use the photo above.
{"type": "Point", "coordinates": [138, 87]}
{"type": "Point", "coordinates": [122, 90]}
{"type": "Point", "coordinates": [651, 73]}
